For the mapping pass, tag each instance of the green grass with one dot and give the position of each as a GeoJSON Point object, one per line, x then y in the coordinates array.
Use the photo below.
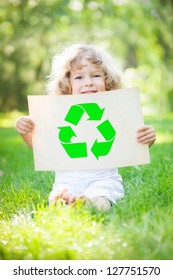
{"type": "Point", "coordinates": [140, 226]}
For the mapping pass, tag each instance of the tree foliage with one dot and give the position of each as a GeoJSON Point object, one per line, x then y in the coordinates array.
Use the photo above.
{"type": "Point", "coordinates": [137, 32]}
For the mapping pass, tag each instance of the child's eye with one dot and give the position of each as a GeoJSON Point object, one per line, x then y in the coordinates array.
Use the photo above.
{"type": "Point", "coordinates": [78, 77]}
{"type": "Point", "coordinates": [97, 75]}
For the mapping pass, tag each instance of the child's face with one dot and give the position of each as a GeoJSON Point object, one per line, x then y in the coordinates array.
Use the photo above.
{"type": "Point", "coordinates": [87, 79]}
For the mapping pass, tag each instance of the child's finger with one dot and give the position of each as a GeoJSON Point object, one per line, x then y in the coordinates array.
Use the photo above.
{"type": "Point", "coordinates": [144, 137]}
{"type": "Point", "coordinates": [148, 141]}
{"type": "Point", "coordinates": [28, 124]}
{"type": "Point", "coordinates": [25, 128]}
{"type": "Point", "coordinates": [29, 121]}
{"type": "Point", "coordinates": [145, 140]}
{"type": "Point", "coordinates": [144, 128]}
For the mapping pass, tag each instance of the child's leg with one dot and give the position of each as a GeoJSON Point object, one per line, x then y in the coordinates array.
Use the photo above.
{"type": "Point", "coordinates": [104, 193]}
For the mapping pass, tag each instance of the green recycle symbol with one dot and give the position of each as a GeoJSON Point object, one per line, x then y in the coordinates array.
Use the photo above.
{"type": "Point", "coordinates": [79, 150]}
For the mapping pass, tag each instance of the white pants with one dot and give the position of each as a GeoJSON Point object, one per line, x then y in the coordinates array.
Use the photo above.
{"type": "Point", "coordinates": [90, 183]}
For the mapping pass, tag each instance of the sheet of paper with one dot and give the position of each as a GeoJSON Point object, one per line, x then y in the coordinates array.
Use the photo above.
{"type": "Point", "coordinates": [83, 132]}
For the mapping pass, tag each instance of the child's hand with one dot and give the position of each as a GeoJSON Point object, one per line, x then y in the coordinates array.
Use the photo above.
{"type": "Point", "coordinates": [24, 125]}
{"type": "Point", "coordinates": [146, 135]}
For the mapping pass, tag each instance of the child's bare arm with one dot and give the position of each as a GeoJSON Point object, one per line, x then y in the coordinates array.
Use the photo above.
{"type": "Point", "coordinates": [146, 135]}
{"type": "Point", "coordinates": [25, 127]}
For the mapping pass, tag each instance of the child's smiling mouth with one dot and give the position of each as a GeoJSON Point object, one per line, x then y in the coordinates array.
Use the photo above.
{"type": "Point", "coordinates": [89, 91]}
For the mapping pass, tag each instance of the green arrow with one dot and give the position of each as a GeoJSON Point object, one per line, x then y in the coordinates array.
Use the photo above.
{"type": "Point", "coordinates": [74, 114]}
{"type": "Point", "coordinates": [107, 130]}
{"type": "Point", "coordinates": [93, 110]}
{"type": "Point", "coordinates": [101, 148]}
{"type": "Point", "coordinates": [75, 150]}
{"type": "Point", "coordinates": [66, 133]}
{"type": "Point", "coordinates": [76, 111]}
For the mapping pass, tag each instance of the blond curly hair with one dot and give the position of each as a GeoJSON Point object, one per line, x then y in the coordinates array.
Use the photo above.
{"type": "Point", "coordinates": [70, 59]}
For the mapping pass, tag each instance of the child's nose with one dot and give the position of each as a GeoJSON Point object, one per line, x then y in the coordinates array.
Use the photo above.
{"type": "Point", "coordinates": [88, 81]}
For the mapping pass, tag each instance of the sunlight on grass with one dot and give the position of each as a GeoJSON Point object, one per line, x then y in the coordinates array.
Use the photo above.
{"type": "Point", "coordinates": [82, 233]}
{"type": "Point", "coordinates": [9, 119]}
{"type": "Point", "coordinates": [163, 127]}
{"type": "Point", "coordinates": [164, 138]}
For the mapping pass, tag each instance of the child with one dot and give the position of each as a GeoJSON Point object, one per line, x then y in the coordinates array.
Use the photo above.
{"type": "Point", "coordinates": [85, 69]}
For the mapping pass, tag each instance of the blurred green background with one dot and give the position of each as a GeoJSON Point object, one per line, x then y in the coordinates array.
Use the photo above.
{"type": "Point", "coordinates": [136, 32]}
